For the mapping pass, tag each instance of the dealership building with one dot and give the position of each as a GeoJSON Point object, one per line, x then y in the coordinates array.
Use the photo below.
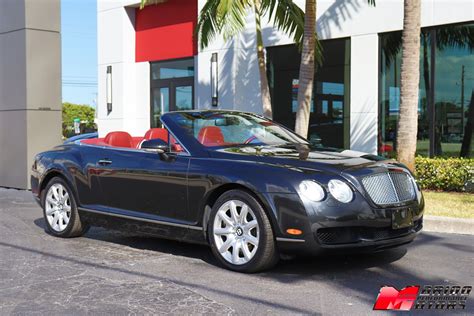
{"type": "Point", "coordinates": [150, 63]}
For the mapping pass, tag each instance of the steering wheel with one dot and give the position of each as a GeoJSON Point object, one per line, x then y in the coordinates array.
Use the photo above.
{"type": "Point", "coordinates": [250, 139]}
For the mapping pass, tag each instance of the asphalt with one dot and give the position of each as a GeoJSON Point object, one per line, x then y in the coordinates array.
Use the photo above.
{"type": "Point", "coordinates": [108, 272]}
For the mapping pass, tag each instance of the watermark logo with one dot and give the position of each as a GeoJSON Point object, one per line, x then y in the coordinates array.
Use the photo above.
{"type": "Point", "coordinates": [427, 297]}
{"type": "Point", "coordinates": [390, 298]}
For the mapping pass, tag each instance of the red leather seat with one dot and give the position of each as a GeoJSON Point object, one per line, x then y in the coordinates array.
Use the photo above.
{"type": "Point", "coordinates": [155, 133]}
{"type": "Point", "coordinates": [119, 139]}
{"type": "Point", "coordinates": [211, 136]}
{"type": "Point", "coordinates": [162, 133]}
{"type": "Point", "coordinates": [95, 141]}
{"type": "Point", "coordinates": [137, 141]}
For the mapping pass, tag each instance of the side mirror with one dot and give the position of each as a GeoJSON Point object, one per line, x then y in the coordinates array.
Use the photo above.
{"type": "Point", "coordinates": [156, 145]}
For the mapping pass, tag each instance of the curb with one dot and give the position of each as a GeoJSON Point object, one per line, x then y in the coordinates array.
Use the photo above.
{"type": "Point", "coordinates": [441, 224]}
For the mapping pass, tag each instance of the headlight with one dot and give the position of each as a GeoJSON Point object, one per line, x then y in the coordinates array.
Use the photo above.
{"type": "Point", "coordinates": [340, 190]}
{"type": "Point", "coordinates": [312, 191]}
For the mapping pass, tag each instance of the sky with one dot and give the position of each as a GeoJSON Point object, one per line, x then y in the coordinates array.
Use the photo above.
{"type": "Point", "coordinates": [79, 51]}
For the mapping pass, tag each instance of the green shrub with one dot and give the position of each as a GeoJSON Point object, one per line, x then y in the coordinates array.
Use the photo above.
{"type": "Point", "coordinates": [71, 111]}
{"type": "Point", "coordinates": [447, 174]}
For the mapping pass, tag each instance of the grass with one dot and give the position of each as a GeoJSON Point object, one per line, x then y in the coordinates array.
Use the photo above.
{"type": "Point", "coordinates": [422, 149]}
{"type": "Point", "coordinates": [451, 204]}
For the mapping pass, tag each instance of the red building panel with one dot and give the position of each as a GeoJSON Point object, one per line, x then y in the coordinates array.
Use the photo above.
{"type": "Point", "coordinates": [166, 31]}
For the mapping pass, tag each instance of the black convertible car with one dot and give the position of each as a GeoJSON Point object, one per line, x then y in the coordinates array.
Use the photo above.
{"type": "Point", "coordinates": [247, 186]}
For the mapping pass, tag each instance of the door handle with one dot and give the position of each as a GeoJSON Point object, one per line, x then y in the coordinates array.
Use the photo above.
{"type": "Point", "coordinates": [104, 162]}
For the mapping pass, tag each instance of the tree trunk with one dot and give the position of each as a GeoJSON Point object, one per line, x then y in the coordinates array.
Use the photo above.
{"type": "Point", "coordinates": [262, 68]}
{"type": "Point", "coordinates": [306, 78]}
{"type": "Point", "coordinates": [410, 76]}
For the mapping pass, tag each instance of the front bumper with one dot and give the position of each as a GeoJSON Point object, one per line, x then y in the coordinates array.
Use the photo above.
{"type": "Point", "coordinates": [312, 247]}
{"type": "Point", "coordinates": [331, 226]}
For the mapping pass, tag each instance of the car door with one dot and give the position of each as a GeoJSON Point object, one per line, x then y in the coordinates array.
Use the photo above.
{"type": "Point", "coordinates": [88, 181]}
{"type": "Point", "coordinates": [144, 182]}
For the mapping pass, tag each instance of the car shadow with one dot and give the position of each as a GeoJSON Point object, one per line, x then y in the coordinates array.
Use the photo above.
{"type": "Point", "coordinates": [359, 275]}
{"type": "Point", "coordinates": [144, 242]}
{"type": "Point", "coordinates": [333, 263]}
{"type": "Point", "coordinates": [292, 266]}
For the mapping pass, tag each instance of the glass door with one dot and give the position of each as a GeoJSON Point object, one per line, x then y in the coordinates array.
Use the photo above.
{"type": "Point", "coordinates": [172, 88]}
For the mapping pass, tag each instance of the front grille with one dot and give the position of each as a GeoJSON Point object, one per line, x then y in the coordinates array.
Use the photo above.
{"type": "Point", "coordinates": [389, 188]}
{"type": "Point", "coordinates": [347, 235]}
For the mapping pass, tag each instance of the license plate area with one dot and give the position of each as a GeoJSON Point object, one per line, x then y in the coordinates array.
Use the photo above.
{"type": "Point", "coordinates": [402, 218]}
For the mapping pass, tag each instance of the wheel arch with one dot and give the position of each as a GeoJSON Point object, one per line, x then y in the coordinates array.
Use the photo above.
{"type": "Point", "coordinates": [213, 195]}
{"type": "Point", "coordinates": [52, 174]}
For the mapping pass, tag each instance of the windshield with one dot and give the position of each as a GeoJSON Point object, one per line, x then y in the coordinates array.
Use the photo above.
{"type": "Point", "coordinates": [230, 129]}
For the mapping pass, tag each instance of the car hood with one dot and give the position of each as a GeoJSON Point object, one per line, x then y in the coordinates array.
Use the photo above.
{"type": "Point", "coordinates": [301, 156]}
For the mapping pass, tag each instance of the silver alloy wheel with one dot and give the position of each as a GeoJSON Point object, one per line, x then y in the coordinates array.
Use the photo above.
{"type": "Point", "coordinates": [58, 207]}
{"type": "Point", "coordinates": [236, 232]}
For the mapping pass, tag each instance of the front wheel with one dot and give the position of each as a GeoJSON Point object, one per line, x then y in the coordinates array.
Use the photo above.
{"type": "Point", "coordinates": [60, 210]}
{"type": "Point", "coordinates": [240, 233]}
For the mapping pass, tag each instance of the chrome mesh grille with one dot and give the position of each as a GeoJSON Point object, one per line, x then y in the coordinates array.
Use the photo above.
{"type": "Point", "coordinates": [389, 188]}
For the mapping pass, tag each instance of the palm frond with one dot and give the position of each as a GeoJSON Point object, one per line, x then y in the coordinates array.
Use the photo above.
{"type": "Point", "coordinates": [318, 52]}
{"type": "Point", "coordinates": [232, 13]}
{"type": "Point", "coordinates": [459, 36]}
{"type": "Point", "coordinates": [391, 44]}
{"type": "Point", "coordinates": [226, 17]}
{"type": "Point", "coordinates": [144, 3]}
{"type": "Point", "coordinates": [288, 17]}
{"type": "Point", "coordinates": [208, 25]}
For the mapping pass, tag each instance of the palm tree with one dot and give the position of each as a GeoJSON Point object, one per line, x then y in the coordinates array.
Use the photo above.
{"type": "Point", "coordinates": [228, 18]}
{"type": "Point", "coordinates": [306, 77]}
{"type": "Point", "coordinates": [311, 53]}
{"type": "Point", "coordinates": [409, 85]}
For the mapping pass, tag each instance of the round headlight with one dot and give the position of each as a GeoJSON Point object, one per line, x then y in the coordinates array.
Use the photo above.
{"type": "Point", "coordinates": [312, 191]}
{"type": "Point", "coordinates": [340, 190]}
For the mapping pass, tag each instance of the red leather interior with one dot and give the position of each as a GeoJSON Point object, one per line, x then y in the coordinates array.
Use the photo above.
{"type": "Point", "coordinates": [119, 139]}
{"type": "Point", "coordinates": [137, 141]}
{"type": "Point", "coordinates": [211, 136]}
{"type": "Point", "coordinates": [123, 139]}
{"type": "Point", "coordinates": [155, 133]}
{"type": "Point", "coordinates": [95, 141]}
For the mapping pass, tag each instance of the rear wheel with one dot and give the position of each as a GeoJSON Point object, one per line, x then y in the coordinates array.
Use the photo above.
{"type": "Point", "coordinates": [60, 210]}
{"type": "Point", "coordinates": [240, 233]}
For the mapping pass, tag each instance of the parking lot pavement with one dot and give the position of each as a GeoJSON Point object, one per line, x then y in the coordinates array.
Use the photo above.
{"type": "Point", "coordinates": [111, 272]}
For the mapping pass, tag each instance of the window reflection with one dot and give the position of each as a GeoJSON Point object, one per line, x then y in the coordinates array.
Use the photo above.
{"type": "Point", "coordinates": [160, 98]}
{"type": "Point", "coordinates": [172, 69]}
{"type": "Point", "coordinates": [329, 118]}
{"type": "Point", "coordinates": [453, 72]}
{"type": "Point", "coordinates": [184, 98]}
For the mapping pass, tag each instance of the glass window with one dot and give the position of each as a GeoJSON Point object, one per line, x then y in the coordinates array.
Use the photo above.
{"type": "Point", "coordinates": [453, 74]}
{"type": "Point", "coordinates": [172, 69]}
{"type": "Point", "coordinates": [160, 98]}
{"type": "Point", "coordinates": [454, 85]}
{"type": "Point", "coordinates": [184, 98]}
{"type": "Point", "coordinates": [329, 118]}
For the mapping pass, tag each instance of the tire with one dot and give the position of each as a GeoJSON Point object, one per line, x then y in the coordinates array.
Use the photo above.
{"type": "Point", "coordinates": [60, 210]}
{"type": "Point", "coordinates": [249, 232]}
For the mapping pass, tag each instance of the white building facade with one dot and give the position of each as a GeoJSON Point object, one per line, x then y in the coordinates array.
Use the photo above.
{"type": "Point", "coordinates": [152, 65]}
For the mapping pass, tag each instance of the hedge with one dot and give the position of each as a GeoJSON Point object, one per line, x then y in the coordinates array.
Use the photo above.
{"type": "Point", "coordinates": [446, 174]}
